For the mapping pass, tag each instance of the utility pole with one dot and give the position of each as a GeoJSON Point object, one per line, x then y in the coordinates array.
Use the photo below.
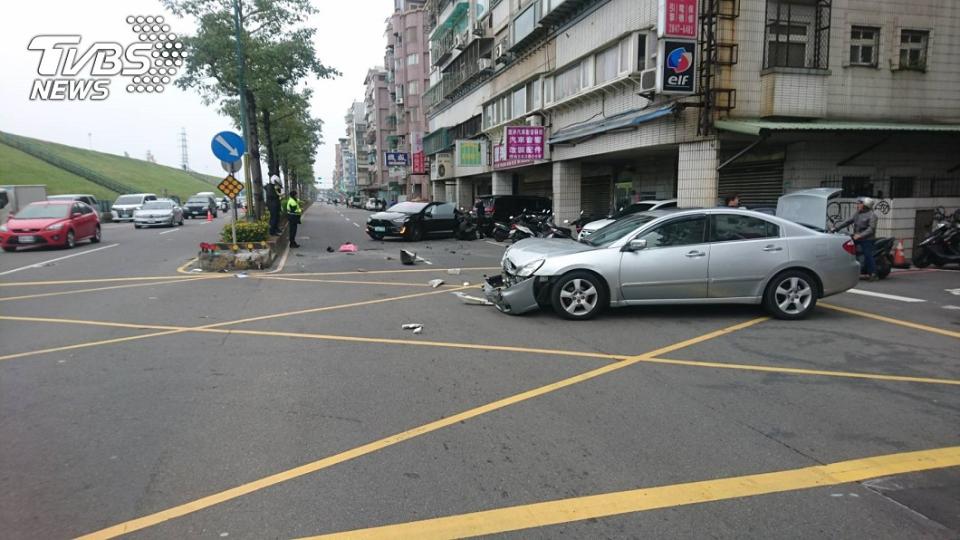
{"type": "Point", "coordinates": [242, 88]}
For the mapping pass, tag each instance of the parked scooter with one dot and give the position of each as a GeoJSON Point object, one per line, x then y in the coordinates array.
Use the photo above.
{"type": "Point", "coordinates": [467, 226]}
{"type": "Point", "coordinates": [942, 245]}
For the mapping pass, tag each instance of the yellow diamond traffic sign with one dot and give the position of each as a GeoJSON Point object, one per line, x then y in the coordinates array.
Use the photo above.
{"type": "Point", "coordinates": [230, 186]}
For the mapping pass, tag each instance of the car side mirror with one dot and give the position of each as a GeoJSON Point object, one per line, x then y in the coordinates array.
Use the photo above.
{"type": "Point", "coordinates": [76, 214]}
{"type": "Point", "coordinates": [636, 244]}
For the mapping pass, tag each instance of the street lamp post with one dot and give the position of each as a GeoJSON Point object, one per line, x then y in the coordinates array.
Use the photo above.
{"type": "Point", "coordinates": [242, 87]}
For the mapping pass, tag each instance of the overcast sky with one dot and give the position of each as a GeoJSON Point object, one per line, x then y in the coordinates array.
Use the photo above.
{"type": "Point", "coordinates": [349, 38]}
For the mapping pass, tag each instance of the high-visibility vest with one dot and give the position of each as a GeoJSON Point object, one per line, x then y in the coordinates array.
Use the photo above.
{"type": "Point", "coordinates": [293, 206]}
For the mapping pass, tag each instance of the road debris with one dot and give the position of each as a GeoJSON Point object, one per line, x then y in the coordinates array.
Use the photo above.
{"type": "Point", "coordinates": [471, 300]}
{"type": "Point", "coordinates": [348, 248]}
{"type": "Point", "coordinates": [466, 283]}
{"type": "Point", "coordinates": [411, 326]}
{"type": "Point", "coordinates": [196, 270]}
{"type": "Point", "coordinates": [330, 249]}
{"type": "Point", "coordinates": [418, 330]}
{"type": "Point", "coordinates": [241, 275]}
{"type": "Point", "coordinates": [454, 271]}
{"type": "Point", "coordinates": [408, 257]}
{"type": "Point", "coordinates": [435, 283]}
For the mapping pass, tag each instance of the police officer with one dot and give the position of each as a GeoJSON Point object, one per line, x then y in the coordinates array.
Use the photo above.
{"type": "Point", "coordinates": [273, 204]}
{"type": "Point", "coordinates": [292, 207]}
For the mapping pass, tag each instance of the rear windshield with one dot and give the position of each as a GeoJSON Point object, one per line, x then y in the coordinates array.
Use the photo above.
{"type": "Point", "coordinates": [129, 199]}
{"type": "Point", "coordinates": [44, 211]}
{"type": "Point", "coordinates": [198, 199]}
{"type": "Point", "coordinates": [158, 205]}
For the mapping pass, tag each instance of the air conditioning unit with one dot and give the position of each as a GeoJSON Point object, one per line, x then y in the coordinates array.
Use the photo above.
{"type": "Point", "coordinates": [485, 64]}
{"type": "Point", "coordinates": [648, 80]}
{"type": "Point", "coordinates": [478, 29]}
{"type": "Point", "coordinates": [500, 52]}
{"type": "Point", "coordinates": [399, 100]}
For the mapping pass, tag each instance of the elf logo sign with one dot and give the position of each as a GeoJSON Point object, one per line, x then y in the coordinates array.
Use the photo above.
{"type": "Point", "coordinates": [677, 73]}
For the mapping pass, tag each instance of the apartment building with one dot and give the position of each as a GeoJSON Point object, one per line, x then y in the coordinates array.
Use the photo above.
{"type": "Point", "coordinates": [355, 150]}
{"type": "Point", "coordinates": [337, 174]}
{"type": "Point", "coordinates": [406, 59]}
{"type": "Point", "coordinates": [599, 102]}
{"type": "Point", "coordinates": [380, 124]}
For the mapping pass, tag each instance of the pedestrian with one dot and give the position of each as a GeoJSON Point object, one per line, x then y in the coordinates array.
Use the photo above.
{"type": "Point", "coordinates": [732, 201]}
{"type": "Point", "coordinates": [864, 232]}
{"type": "Point", "coordinates": [481, 216]}
{"type": "Point", "coordinates": [293, 217]}
{"type": "Point", "coordinates": [273, 204]}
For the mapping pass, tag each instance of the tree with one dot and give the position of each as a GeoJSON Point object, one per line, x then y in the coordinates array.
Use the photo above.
{"type": "Point", "coordinates": [278, 54]}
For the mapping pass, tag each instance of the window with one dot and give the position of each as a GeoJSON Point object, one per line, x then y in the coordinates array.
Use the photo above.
{"type": "Point", "coordinates": [548, 90]}
{"type": "Point", "coordinates": [626, 53]}
{"type": "Point", "coordinates": [864, 46]}
{"type": "Point", "coordinates": [901, 186]}
{"type": "Point", "coordinates": [524, 23]}
{"type": "Point", "coordinates": [520, 101]}
{"type": "Point", "coordinates": [731, 227]}
{"type": "Point", "coordinates": [607, 64]}
{"type": "Point", "coordinates": [533, 95]}
{"type": "Point", "coordinates": [682, 232]}
{"type": "Point", "coordinates": [411, 35]}
{"type": "Point", "coordinates": [567, 82]}
{"type": "Point", "coordinates": [443, 211]}
{"type": "Point", "coordinates": [413, 88]}
{"type": "Point", "coordinates": [856, 186]}
{"type": "Point", "coordinates": [413, 59]}
{"type": "Point", "coordinates": [913, 49]}
{"type": "Point", "coordinates": [797, 34]}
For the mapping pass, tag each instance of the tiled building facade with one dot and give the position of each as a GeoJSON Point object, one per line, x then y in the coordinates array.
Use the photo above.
{"type": "Point", "coordinates": [858, 94]}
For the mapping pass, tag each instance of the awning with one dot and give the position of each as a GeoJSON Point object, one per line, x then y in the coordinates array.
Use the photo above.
{"type": "Point", "coordinates": [763, 127]}
{"type": "Point", "coordinates": [630, 119]}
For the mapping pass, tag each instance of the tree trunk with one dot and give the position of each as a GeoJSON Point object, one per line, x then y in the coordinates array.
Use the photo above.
{"type": "Point", "coordinates": [272, 167]}
{"type": "Point", "coordinates": [286, 176]}
{"type": "Point", "coordinates": [255, 171]}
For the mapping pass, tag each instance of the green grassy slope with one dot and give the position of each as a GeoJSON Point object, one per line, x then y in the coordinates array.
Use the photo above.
{"type": "Point", "coordinates": [141, 175]}
{"type": "Point", "coordinates": [17, 167]}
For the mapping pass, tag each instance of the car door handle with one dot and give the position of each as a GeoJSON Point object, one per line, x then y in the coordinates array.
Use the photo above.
{"type": "Point", "coordinates": [773, 248]}
{"type": "Point", "coordinates": [694, 254]}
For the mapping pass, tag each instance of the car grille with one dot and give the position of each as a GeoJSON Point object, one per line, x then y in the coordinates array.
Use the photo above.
{"type": "Point", "coordinates": [24, 230]}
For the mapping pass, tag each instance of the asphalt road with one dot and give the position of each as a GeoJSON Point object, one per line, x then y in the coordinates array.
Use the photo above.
{"type": "Point", "coordinates": [139, 400]}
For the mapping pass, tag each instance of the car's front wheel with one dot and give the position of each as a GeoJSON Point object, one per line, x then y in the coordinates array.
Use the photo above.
{"type": "Point", "coordinates": [791, 295]}
{"type": "Point", "coordinates": [96, 236]}
{"type": "Point", "coordinates": [71, 240]}
{"type": "Point", "coordinates": [579, 296]}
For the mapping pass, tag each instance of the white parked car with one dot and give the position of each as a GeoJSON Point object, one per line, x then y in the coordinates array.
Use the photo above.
{"type": "Point", "coordinates": [371, 204]}
{"type": "Point", "coordinates": [125, 205]}
{"type": "Point", "coordinates": [642, 206]}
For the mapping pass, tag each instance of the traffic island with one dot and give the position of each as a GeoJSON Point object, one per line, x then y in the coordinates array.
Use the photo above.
{"type": "Point", "coordinates": [225, 257]}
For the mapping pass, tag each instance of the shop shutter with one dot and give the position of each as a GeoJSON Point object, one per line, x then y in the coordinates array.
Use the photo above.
{"type": "Point", "coordinates": [595, 195]}
{"type": "Point", "coordinates": [759, 183]}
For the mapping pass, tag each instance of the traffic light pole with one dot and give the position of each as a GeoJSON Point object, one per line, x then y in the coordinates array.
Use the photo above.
{"type": "Point", "coordinates": [242, 88]}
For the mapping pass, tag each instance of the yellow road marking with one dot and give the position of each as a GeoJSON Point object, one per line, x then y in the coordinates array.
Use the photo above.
{"type": "Point", "coordinates": [182, 269]}
{"type": "Point", "coordinates": [87, 344]}
{"type": "Point", "coordinates": [800, 371]}
{"type": "Point", "coordinates": [528, 516]}
{"type": "Point", "coordinates": [95, 280]}
{"type": "Point", "coordinates": [644, 358]}
{"type": "Point", "coordinates": [700, 339]}
{"type": "Point", "coordinates": [112, 287]}
{"type": "Point", "coordinates": [899, 322]}
{"type": "Point", "coordinates": [283, 476]}
{"type": "Point", "coordinates": [349, 282]}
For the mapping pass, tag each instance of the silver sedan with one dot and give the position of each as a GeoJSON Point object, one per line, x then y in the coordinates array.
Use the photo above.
{"type": "Point", "coordinates": [160, 212]}
{"type": "Point", "coordinates": [702, 256]}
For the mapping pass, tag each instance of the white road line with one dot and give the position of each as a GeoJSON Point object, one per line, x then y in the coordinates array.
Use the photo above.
{"type": "Point", "coordinates": [885, 296]}
{"type": "Point", "coordinates": [171, 230]}
{"type": "Point", "coordinates": [498, 244]}
{"type": "Point", "coordinates": [356, 225]}
{"type": "Point", "coordinates": [39, 264]}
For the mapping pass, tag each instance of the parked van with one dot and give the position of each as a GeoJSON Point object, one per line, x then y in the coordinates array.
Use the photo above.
{"type": "Point", "coordinates": [125, 205]}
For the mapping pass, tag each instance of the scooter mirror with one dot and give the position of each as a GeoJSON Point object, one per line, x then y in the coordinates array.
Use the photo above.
{"type": "Point", "coordinates": [566, 222]}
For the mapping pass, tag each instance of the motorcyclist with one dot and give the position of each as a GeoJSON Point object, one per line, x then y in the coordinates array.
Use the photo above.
{"type": "Point", "coordinates": [864, 232]}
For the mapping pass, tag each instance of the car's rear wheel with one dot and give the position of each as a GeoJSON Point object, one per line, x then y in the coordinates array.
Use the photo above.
{"type": "Point", "coordinates": [790, 295]}
{"type": "Point", "coordinates": [96, 236]}
{"type": "Point", "coordinates": [71, 240]}
{"type": "Point", "coordinates": [579, 296]}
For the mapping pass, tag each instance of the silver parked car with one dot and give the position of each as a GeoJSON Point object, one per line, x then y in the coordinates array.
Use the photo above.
{"type": "Point", "coordinates": [635, 208]}
{"type": "Point", "coordinates": [159, 212]}
{"type": "Point", "coordinates": [702, 256]}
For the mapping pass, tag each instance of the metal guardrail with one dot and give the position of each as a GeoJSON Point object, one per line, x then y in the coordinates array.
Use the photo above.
{"type": "Point", "coordinates": [44, 155]}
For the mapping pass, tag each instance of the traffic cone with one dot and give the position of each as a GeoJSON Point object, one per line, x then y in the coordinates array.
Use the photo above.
{"type": "Point", "coordinates": [899, 261]}
{"type": "Point", "coordinates": [209, 215]}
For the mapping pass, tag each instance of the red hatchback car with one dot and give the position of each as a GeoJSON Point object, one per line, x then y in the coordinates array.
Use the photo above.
{"type": "Point", "coordinates": [50, 223]}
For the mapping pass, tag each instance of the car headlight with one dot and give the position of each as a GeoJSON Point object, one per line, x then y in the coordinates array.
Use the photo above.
{"type": "Point", "coordinates": [528, 269]}
{"type": "Point", "coordinates": [3, 228]}
{"type": "Point", "coordinates": [400, 220]}
{"type": "Point", "coordinates": [55, 227]}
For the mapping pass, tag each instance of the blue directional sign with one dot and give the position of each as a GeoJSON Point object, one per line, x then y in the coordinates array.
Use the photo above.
{"type": "Point", "coordinates": [228, 146]}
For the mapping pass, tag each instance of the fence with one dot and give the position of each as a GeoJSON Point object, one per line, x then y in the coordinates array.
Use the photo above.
{"type": "Point", "coordinates": [42, 154]}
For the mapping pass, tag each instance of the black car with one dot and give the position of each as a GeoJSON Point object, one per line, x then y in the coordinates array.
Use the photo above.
{"type": "Point", "coordinates": [198, 205]}
{"type": "Point", "coordinates": [414, 221]}
{"type": "Point", "coordinates": [503, 207]}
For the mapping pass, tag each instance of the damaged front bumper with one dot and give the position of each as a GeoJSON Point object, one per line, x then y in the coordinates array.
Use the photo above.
{"type": "Point", "coordinates": [515, 299]}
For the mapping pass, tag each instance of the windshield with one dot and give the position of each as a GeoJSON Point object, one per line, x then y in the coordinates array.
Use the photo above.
{"type": "Point", "coordinates": [618, 229]}
{"type": "Point", "coordinates": [129, 199]}
{"type": "Point", "coordinates": [198, 200]}
{"type": "Point", "coordinates": [407, 207]}
{"type": "Point", "coordinates": [158, 205]}
{"type": "Point", "coordinates": [44, 211]}
{"type": "Point", "coordinates": [633, 209]}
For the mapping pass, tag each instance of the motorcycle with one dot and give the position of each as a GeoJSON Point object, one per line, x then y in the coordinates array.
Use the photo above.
{"type": "Point", "coordinates": [467, 226]}
{"type": "Point", "coordinates": [942, 245]}
{"type": "Point", "coordinates": [882, 257]}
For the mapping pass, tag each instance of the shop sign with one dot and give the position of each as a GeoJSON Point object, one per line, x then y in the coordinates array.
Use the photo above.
{"type": "Point", "coordinates": [471, 153]}
{"type": "Point", "coordinates": [396, 159]}
{"type": "Point", "coordinates": [677, 73]}
{"type": "Point", "coordinates": [525, 142]}
{"type": "Point", "coordinates": [677, 19]}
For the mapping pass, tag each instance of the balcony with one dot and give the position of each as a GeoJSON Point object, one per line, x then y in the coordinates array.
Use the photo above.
{"type": "Point", "coordinates": [450, 33]}
{"type": "Point", "coordinates": [437, 141]}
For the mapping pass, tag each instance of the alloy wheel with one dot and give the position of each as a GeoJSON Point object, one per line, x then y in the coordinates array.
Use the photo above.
{"type": "Point", "coordinates": [793, 295]}
{"type": "Point", "coordinates": [578, 297]}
